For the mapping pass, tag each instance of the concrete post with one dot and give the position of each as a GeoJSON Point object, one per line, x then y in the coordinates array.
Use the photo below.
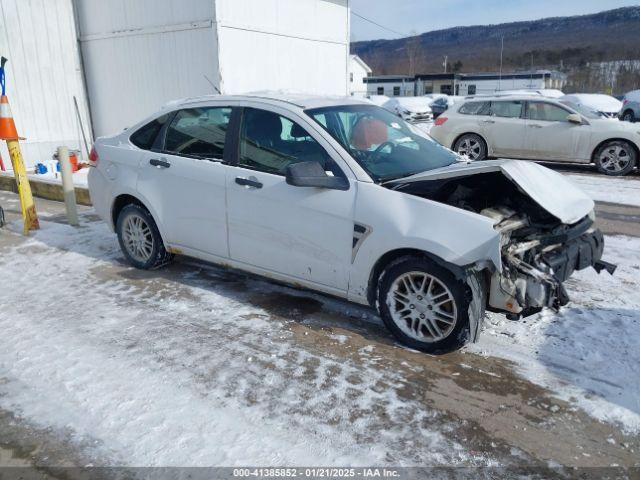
{"type": "Point", "coordinates": [67, 186]}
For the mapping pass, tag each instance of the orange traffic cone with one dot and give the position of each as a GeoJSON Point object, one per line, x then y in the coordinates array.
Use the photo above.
{"type": "Point", "coordinates": [8, 129]}
{"type": "Point", "coordinates": [9, 133]}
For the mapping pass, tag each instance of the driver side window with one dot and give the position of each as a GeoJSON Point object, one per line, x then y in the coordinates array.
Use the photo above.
{"type": "Point", "coordinates": [547, 112]}
{"type": "Point", "coordinates": [270, 142]}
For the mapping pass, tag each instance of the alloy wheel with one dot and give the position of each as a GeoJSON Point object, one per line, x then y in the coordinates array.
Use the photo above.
{"type": "Point", "coordinates": [137, 237]}
{"type": "Point", "coordinates": [470, 148]}
{"type": "Point", "coordinates": [422, 306]}
{"type": "Point", "coordinates": [615, 158]}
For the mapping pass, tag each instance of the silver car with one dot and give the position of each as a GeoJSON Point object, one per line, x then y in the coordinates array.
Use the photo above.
{"type": "Point", "coordinates": [536, 128]}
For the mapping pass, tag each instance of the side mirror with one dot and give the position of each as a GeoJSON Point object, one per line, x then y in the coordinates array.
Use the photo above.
{"type": "Point", "coordinates": [575, 118]}
{"type": "Point", "coordinates": [312, 174]}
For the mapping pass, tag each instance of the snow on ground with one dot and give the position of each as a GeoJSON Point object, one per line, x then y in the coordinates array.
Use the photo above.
{"type": "Point", "coordinates": [143, 370]}
{"type": "Point", "coordinates": [608, 189]}
{"type": "Point", "coordinates": [589, 353]}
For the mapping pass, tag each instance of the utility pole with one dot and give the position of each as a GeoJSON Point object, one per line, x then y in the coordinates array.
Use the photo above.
{"type": "Point", "coordinates": [501, 52]}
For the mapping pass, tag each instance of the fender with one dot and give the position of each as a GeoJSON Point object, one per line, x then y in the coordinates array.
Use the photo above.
{"type": "Point", "coordinates": [457, 237]}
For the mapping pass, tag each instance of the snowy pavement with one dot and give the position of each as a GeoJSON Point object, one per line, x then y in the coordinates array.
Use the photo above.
{"type": "Point", "coordinates": [196, 365]}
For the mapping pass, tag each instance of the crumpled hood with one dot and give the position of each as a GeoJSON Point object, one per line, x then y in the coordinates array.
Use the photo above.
{"type": "Point", "coordinates": [549, 189]}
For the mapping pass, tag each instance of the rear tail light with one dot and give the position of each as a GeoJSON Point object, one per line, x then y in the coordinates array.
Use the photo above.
{"type": "Point", "coordinates": [93, 157]}
{"type": "Point", "coordinates": [624, 102]}
{"type": "Point", "coordinates": [440, 120]}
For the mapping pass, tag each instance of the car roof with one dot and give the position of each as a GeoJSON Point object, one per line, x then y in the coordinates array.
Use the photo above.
{"type": "Point", "coordinates": [300, 100]}
{"type": "Point", "coordinates": [533, 96]}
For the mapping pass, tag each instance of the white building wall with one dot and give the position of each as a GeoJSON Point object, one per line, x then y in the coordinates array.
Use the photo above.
{"type": "Point", "coordinates": [140, 54]}
{"type": "Point", "coordinates": [296, 45]}
{"type": "Point", "coordinates": [494, 85]}
{"type": "Point", "coordinates": [406, 88]}
{"type": "Point", "coordinates": [357, 74]}
{"type": "Point", "coordinates": [43, 75]}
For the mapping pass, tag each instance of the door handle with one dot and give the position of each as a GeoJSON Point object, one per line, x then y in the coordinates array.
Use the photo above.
{"type": "Point", "coordinates": [488, 121]}
{"type": "Point", "coordinates": [248, 183]}
{"type": "Point", "coordinates": [535, 126]}
{"type": "Point", "coordinates": [159, 163]}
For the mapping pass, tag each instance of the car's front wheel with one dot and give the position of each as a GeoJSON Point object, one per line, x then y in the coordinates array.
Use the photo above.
{"type": "Point", "coordinates": [616, 158]}
{"type": "Point", "coordinates": [425, 306]}
{"type": "Point", "coordinates": [471, 146]}
{"type": "Point", "coordinates": [628, 116]}
{"type": "Point", "coordinates": [140, 238]}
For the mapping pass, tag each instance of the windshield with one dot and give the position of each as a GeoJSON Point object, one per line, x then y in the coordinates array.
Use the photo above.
{"type": "Point", "coordinates": [383, 144]}
{"type": "Point", "coordinates": [583, 110]}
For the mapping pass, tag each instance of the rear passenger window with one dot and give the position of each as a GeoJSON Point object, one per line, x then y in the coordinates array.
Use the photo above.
{"type": "Point", "coordinates": [270, 142]}
{"type": "Point", "coordinates": [507, 109]}
{"type": "Point", "coordinates": [475, 108]}
{"type": "Point", "coordinates": [145, 137]}
{"type": "Point", "coordinates": [198, 132]}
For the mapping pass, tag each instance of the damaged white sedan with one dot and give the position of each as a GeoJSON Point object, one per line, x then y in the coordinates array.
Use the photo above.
{"type": "Point", "coordinates": [342, 197]}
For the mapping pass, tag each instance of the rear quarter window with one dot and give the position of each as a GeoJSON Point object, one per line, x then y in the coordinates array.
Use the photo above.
{"type": "Point", "coordinates": [145, 137]}
{"type": "Point", "coordinates": [474, 108]}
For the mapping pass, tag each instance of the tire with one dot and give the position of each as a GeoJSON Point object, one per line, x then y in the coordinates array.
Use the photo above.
{"type": "Point", "coordinates": [472, 146]}
{"type": "Point", "coordinates": [140, 238]}
{"type": "Point", "coordinates": [436, 282]}
{"type": "Point", "coordinates": [628, 116]}
{"type": "Point", "coordinates": [616, 158]}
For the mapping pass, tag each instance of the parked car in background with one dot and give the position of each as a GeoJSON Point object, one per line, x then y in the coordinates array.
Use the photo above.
{"type": "Point", "coordinates": [343, 197]}
{"type": "Point", "coordinates": [630, 111]}
{"type": "Point", "coordinates": [605, 106]}
{"type": "Point", "coordinates": [535, 128]}
{"type": "Point", "coordinates": [544, 92]}
{"type": "Point", "coordinates": [441, 104]}
{"type": "Point", "coordinates": [410, 109]}
{"type": "Point", "coordinates": [378, 100]}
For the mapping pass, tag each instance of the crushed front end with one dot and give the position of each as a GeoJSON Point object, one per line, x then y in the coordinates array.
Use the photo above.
{"type": "Point", "coordinates": [538, 259]}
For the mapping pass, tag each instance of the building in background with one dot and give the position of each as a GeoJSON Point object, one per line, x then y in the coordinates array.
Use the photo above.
{"type": "Point", "coordinates": [390, 85]}
{"type": "Point", "coordinates": [123, 59]}
{"type": "Point", "coordinates": [44, 75]}
{"type": "Point", "coordinates": [489, 83]}
{"type": "Point", "coordinates": [436, 83]}
{"type": "Point", "coordinates": [464, 83]}
{"type": "Point", "coordinates": [358, 71]}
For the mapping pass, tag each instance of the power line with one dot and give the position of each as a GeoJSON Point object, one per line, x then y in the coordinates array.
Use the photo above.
{"type": "Point", "coordinates": [378, 25]}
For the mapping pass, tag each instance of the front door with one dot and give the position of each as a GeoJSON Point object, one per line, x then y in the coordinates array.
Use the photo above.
{"type": "Point", "coordinates": [184, 180]}
{"type": "Point", "coordinates": [549, 136]}
{"type": "Point", "coordinates": [303, 233]}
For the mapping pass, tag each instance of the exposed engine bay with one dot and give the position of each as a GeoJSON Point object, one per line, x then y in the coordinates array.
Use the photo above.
{"type": "Point", "coordinates": [539, 252]}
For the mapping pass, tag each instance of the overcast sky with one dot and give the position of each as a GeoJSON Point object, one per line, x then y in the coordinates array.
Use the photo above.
{"type": "Point", "coordinates": [406, 16]}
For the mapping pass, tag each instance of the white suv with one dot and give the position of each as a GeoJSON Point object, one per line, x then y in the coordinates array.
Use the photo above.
{"type": "Point", "coordinates": [536, 128]}
{"type": "Point", "coordinates": [343, 197]}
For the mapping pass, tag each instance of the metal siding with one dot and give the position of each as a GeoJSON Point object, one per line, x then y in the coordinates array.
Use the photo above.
{"type": "Point", "coordinates": [107, 16]}
{"type": "Point", "coordinates": [140, 54]}
{"type": "Point", "coordinates": [297, 45]}
{"type": "Point", "coordinates": [43, 75]}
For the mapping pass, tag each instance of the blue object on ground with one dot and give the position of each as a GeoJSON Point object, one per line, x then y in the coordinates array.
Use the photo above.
{"type": "Point", "coordinates": [41, 168]}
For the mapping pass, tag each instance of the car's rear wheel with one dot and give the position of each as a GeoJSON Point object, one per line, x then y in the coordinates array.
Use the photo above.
{"type": "Point", "coordinates": [140, 238]}
{"type": "Point", "coordinates": [471, 146]}
{"type": "Point", "coordinates": [628, 116]}
{"type": "Point", "coordinates": [616, 157]}
{"type": "Point", "coordinates": [424, 305]}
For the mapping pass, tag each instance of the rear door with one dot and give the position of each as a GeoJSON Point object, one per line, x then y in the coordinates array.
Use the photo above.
{"type": "Point", "coordinates": [549, 136]}
{"type": "Point", "coordinates": [505, 127]}
{"type": "Point", "coordinates": [184, 179]}
{"type": "Point", "coordinates": [301, 233]}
